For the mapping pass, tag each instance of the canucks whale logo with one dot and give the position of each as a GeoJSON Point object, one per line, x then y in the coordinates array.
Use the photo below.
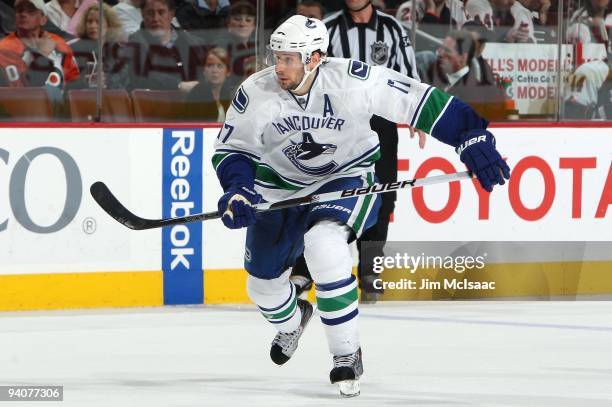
{"type": "Point", "coordinates": [300, 153]}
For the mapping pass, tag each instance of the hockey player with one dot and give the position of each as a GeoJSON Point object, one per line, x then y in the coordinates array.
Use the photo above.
{"type": "Point", "coordinates": [302, 126]}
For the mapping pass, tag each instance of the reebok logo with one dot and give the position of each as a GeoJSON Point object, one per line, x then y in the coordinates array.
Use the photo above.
{"type": "Point", "coordinates": [182, 204]}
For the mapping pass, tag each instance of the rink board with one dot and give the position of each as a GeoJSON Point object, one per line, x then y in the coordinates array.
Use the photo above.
{"type": "Point", "coordinates": [59, 250]}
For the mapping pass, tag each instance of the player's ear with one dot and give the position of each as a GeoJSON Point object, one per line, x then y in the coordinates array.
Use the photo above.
{"type": "Point", "coordinates": [315, 58]}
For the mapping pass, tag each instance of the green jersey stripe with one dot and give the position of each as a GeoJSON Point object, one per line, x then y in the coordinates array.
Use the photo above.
{"type": "Point", "coordinates": [369, 160]}
{"type": "Point", "coordinates": [218, 158]}
{"type": "Point", "coordinates": [432, 109]}
{"type": "Point", "coordinates": [337, 303]}
{"type": "Point", "coordinates": [290, 309]}
{"type": "Point", "coordinates": [269, 176]}
{"type": "Point", "coordinates": [365, 208]}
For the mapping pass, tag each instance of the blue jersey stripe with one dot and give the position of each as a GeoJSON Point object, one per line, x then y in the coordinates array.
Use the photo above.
{"type": "Point", "coordinates": [340, 320]}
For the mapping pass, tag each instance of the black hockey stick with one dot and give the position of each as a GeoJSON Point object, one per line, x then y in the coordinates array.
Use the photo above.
{"type": "Point", "coordinates": [105, 198]}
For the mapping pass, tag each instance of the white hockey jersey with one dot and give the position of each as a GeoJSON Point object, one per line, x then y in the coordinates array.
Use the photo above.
{"type": "Point", "coordinates": [299, 143]}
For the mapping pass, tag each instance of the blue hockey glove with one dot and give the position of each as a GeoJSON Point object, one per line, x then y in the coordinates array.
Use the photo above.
{"type": "Point", "coordinates": [477, 151]}
{"type": "Point", "coordinates": [236, 206]}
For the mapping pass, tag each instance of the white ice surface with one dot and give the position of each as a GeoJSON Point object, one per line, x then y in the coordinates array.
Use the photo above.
{"type": "Point", "coordinates": [415, 354]}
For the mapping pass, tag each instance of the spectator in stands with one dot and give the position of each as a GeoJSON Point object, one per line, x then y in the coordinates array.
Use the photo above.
{"type": "Point", "coordinates": [239, 40]}
{"type": "Point", "coordinates": [587, 25]}
{"type": "Point", "coordinates": [452, 65]}
{"type": "Point", "coordinates": [523, 27]}
{"type": "Point", "coordinates": [588, 92]}
{"type": "Point", "coordinates": [478, 13]}
{"type": "Point", "coordinates": [311, 9]}
{"type": "Point", "coordinates": [202, 16]}
{"type": "Point", "coordinates": [437, 12]}
{"type": "Point", "coordinates": [542, 11]}
{"type": "Point", "coordinates": [502, 18]}
{"type": "Point", "coordinates": [62, 12]}
{"type": "Point", "coordinates": [164, 58]}
{"type": "Point", "coordinates": [77, 17]}
{"type": "Point", "coordinates": [32, 56]}
{"type": "Point", "coordinates": [404, 13]}
{"type": "Point", "coordinates": [7, 22]}
{"type": "Point", "coordinates": [130, 16]}
{"type": "Point", "coordinates": [85, 48]}
{"type": "Point", "coordinates": [211, 97]}
{"type": "Point", "coordinates": [441, 16]}
{"type": "Point", "coordinates": [453, 72]}
{"type": "Point", "coordinates": [513, 20]}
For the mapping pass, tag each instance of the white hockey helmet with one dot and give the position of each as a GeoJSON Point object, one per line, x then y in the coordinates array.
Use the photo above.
{"type": "Point", "coordinates": [300, 34]}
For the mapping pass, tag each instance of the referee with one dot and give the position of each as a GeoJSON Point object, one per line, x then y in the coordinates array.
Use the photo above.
{"type": "Point", "coordinates": [360, 31]}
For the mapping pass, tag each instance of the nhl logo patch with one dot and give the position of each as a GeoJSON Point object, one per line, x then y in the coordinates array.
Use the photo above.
{"type": "Point", "coordinates": [379, 53]}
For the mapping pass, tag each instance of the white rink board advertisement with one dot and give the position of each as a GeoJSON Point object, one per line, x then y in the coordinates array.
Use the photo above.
{"type": "Point", "coordinates": [563, 192]}
{"type": "Point", "coordinates": [48, 221]}
{"type": "Point", "coordinates": [560, 190]}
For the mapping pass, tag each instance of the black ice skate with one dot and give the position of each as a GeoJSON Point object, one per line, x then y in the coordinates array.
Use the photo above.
{"type": "Point", "coordinates": [285, 343]}
{"type": "Point", "coordinates": [346, 372]}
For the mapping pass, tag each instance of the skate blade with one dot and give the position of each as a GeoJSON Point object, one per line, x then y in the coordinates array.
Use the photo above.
{"type": "Point", "coordinates": [349, 388]}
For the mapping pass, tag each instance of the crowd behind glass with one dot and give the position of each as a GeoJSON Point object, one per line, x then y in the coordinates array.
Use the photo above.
{"type": "Point", "coordinates": [182, 60]}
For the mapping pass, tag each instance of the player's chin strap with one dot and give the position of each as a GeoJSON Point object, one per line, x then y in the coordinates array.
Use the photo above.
{"type": "Point", "coordinates": [307, 74]}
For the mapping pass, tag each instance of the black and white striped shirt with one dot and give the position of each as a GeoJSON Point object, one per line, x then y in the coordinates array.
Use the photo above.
{"type": "Point", "coordinates": [381, 41]}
